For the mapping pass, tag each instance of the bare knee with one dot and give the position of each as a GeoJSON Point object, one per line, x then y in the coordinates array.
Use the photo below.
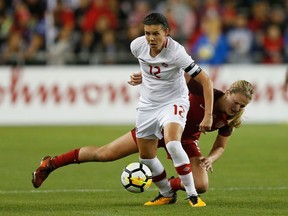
{"type": "Point", "coordinates": [201, 188]}
{"type": "Point", "coordinates": [200, 176]}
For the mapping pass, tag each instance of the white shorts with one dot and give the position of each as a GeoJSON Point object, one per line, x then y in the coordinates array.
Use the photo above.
{"type": "Point", "coordinates": [151, 120]}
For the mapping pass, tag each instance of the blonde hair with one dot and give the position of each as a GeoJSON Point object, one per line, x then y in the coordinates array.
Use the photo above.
{"type": "Point", "coordinates": [245, 88]}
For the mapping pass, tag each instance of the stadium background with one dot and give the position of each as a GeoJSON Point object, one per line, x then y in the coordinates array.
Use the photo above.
{"type": "Point", "coordinates": [65, 32]}
{"type": "Point", "coordinates": [68, 61]}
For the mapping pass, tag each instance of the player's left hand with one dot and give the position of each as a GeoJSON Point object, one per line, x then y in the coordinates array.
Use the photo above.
{"type": "Point", "coordinates": [206, 164]}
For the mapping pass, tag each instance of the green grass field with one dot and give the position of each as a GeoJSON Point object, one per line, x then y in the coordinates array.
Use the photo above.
{"type": "Point", "coordinates": [250, 179]}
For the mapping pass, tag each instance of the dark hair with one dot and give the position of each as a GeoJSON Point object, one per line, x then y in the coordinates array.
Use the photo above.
{"type": "Point", "coordinates": [156, 19]}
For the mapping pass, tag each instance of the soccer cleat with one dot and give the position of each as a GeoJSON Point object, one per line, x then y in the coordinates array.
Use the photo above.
{"type": "Point", "coordinates": [196, 201]}
{"type": "Point", "coordinates": [161, 200]}
{"type": "Point", "coordinates": [42, 172]}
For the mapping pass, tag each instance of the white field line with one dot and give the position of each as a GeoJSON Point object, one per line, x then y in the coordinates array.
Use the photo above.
{"type": "Point", "coordinates": [110, 190]}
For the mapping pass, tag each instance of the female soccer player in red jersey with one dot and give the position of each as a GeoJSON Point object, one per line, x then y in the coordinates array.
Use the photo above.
{"type": "Point", "coordinates": [228, 109]}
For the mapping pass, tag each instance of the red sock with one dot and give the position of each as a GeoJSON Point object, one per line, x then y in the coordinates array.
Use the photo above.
{"type": "Point", "coordinates": [70, 157]}
{"type": "Point", "coordinates": [176, 184]}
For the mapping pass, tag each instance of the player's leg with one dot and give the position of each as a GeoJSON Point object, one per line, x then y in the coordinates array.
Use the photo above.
{"type": "Point", "coordinates": [172, 134]}
{"type": "Point", "coordinates": [148, 156]}
{"type": "Point", "coordinates": [119, 148]}
{"type": "Point", "coordinates": [182, 163]}
{"type": "Point", "coordinates": [200, 177]}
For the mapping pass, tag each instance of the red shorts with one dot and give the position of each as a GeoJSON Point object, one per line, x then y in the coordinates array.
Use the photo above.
{"type": "Point", "coordinates": [190, 146]}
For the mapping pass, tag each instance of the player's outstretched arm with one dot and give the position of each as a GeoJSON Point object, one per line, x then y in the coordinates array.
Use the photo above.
{"type": "Point", "coordinates": [215, 153]}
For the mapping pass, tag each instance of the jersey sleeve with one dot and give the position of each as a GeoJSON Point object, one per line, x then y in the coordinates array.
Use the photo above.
{"type": "Point", "coordinates": [187, 63]}
{"type": "Point", "coordinates": [136, 45]}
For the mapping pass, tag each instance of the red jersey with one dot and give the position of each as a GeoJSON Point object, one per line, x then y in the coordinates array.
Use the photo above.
{"type": "Point", "coordinates": [196, 113]}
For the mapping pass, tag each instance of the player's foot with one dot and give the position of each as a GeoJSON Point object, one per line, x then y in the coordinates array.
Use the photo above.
{"type": "Point", "coordinates": [196, 201]}
{"type": "Point", "coordinates": [161, 200]}
{"type": "Point", "coordinates": [42, 172]}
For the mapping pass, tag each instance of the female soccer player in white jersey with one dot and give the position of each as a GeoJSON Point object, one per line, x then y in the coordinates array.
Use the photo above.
{"type": "Point", "coordinates": [163, 104]}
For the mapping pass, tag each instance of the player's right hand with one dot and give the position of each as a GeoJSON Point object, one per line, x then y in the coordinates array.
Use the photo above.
{"type": "Point", "coordinates": [135, 79]}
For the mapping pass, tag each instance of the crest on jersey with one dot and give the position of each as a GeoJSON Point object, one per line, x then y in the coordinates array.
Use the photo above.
{"type": "Point", "coordinates": [164, 65]}
{"type": "Point", "coordinates": [220, 124]}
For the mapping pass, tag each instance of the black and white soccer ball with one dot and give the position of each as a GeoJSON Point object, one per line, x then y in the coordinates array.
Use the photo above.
{"type": "Point", "coordinates": [136, 177]}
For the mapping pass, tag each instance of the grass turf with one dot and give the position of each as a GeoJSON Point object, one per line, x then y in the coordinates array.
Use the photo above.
{"type": "Point", "coordinates": [250, 179]}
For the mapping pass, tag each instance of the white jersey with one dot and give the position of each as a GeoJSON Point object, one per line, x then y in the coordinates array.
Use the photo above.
{"type": "Point", "coordinates": [162, 76]}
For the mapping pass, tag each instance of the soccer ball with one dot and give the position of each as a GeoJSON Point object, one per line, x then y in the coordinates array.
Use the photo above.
{"type": "Point", "coordinates": [136, 177]}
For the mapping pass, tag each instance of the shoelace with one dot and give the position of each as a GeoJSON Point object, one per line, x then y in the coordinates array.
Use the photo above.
{"type": "Point", "coordinates": [193, 200]}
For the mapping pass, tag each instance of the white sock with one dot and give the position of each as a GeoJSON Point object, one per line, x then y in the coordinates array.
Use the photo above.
{"type": "Point", "coordinates": [157, 169]}
{"type": "Point", "coordinates": [180, 158]}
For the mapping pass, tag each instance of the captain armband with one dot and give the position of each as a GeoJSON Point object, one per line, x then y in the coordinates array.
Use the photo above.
{"type": "Point", "coordinates": [193, 70]}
